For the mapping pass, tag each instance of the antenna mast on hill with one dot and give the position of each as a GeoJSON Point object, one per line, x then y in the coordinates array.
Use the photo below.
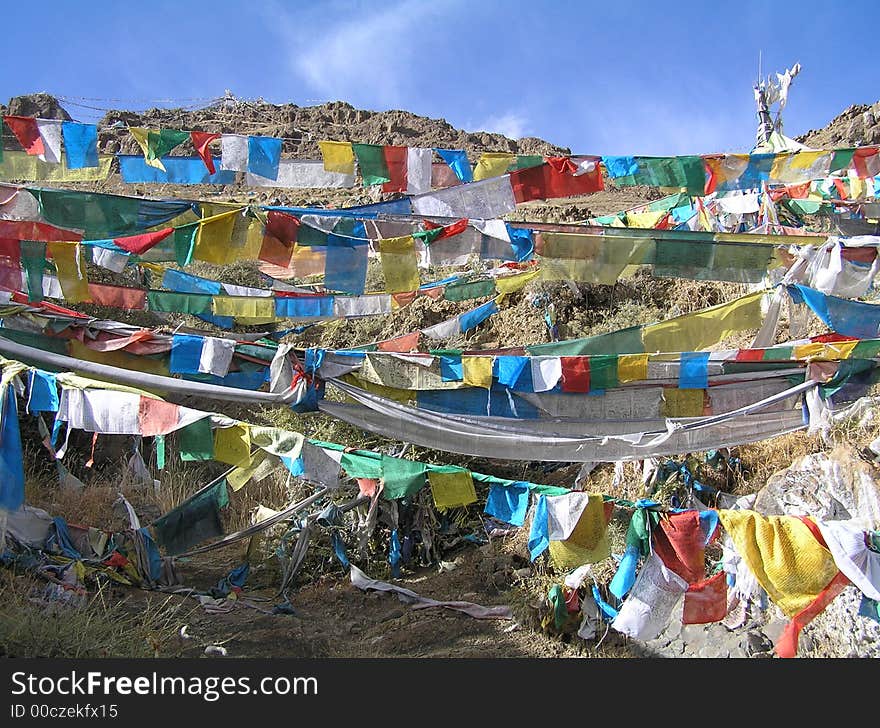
{"type": "Point", "coordinates": [768, 93]}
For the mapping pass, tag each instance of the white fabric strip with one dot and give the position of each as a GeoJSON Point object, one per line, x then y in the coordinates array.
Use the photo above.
{"type": "Point", "coordinates": [355, 306]}
{"type": "Point", "coordinates": [418, 170]}
{"type": "Point", "coordinates": [109, 259]}
{"type": "Point", "coordinates": [488, 198]}
{"type": "Point", "coordinates": [299, 174]}
{"type": "Point", "coordinates": [650, 605]}
{"type": "Point", "coordinates": [234, 152]}
{"type": "Point", "coordinates": [444, 330]}
{"type": "Point", "coordinates": [216, 355]}
{"type": "Point", "coordinates": [50, 133]}
{"type": "Point", "coordinates": [546, 372]}
{"type": "Point", "coordinates": [859, 564]}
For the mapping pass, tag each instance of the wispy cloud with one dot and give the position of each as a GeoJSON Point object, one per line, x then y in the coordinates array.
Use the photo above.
{"type": "Point", "coordinates": [511, 124]}
{"type": "Point", "coordinates": [659, 129]}
{"type": "Point", "coordinates": [359, 54]}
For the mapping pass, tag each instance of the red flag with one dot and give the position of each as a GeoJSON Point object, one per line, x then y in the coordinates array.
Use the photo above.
{"type": "Point", "coordinates": [282, 226]}
{"type": "Point", "coordinates": [139, 244]}
{"type": "Point", "coordinates": [201, 140]}
{"type": "Point", "coordinates": [787, 644]}
{"type": "Point", "coordinates": [562, 164]}
{"type": "Point", "coordinates": [706, 601]}
{"type": "Point", "coordinates": [546, 182]}
{"type": "Point", "coordinates": [575, 373]}
{"type": "Point", "coordinates": [403, 344]}
{"type": "Point", "coordinates": [395, 159]}
{"type": "Point", "coordinates": [866, 162]}
{"type": "Point", "coordinates": [156, 417]}
{"type": "Point", "coordinates": [26, 131]}
{"type": "Point", "coordinates": [680, 544]}
{"type": "Point", "coordinates": [10, 264]}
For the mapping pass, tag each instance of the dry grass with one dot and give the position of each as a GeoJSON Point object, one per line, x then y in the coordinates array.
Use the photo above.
{"type": "Point", "coordinates": [33, 624]}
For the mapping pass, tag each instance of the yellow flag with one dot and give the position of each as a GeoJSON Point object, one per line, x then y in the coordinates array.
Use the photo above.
{"type": "Point", "coordinates": [828, 351]}
{"type": "Point", "coordinates": [588, 542]}
{"type": "Point", "coordinates": [120, 359]}
{"type": "Point", "coordinates": [644, 219]}
{"type": "Point", "coordinates": [252, 308]}
{"type": "Point", "coordinates": [141, 136]}
{"type": "Point", "coordinates": [399, 264]}
{"type": "Point", "coordinates": [232, 445]}
{"type": "Point", "coordinates": [632, 367]}
{"type": "Point", "coordinates": [511, 284]}
{"type": "Point", "coordinates": [452, 489]}
{"type": "Point", "coordinates": [260, 466]}
{"type": "Point", "coordinates": [338, 157]}
{"type": "Point", "coordinates": [705, 328]}
{"type": "Point", "coordinates": [477, 370]}
{"type": "Point", "coordinates": [492, 164]}
{"type": "Point", "coordinates": [682, 402]}
{"type": "Point", "coordinates": [71, 270]}
{"type": "Point", "coordinates": [782, 553]}
{"type": "Point", "coordinates": [404, 396]}
{"type": "Point", "coordinates": [24, 167]}
{"type": "Point", "coordinates": [214, 238]}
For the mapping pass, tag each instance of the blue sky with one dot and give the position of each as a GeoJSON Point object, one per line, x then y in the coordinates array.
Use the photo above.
{"type": "Point", "coordinates": [603, 78]}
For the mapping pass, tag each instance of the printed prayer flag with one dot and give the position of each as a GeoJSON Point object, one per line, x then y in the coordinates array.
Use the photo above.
{"type": "Point", "coordinates": [338, 156]}
{"type": "Point", "coordinates": [451, 487]}
{"type": "Point", "coordinates": [396, 162]}
{"type": "Point", "coordinates": [399, 264]}
{"type": "Point", "coordinates": [575, 373]}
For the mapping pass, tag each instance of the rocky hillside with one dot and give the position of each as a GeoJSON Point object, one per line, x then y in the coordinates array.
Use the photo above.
{"type": "Point", "coordinates": [858, 125]}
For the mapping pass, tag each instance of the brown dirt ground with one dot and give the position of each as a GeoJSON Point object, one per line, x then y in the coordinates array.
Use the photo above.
{"type": "Point", "coordinates": [335, 619]}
